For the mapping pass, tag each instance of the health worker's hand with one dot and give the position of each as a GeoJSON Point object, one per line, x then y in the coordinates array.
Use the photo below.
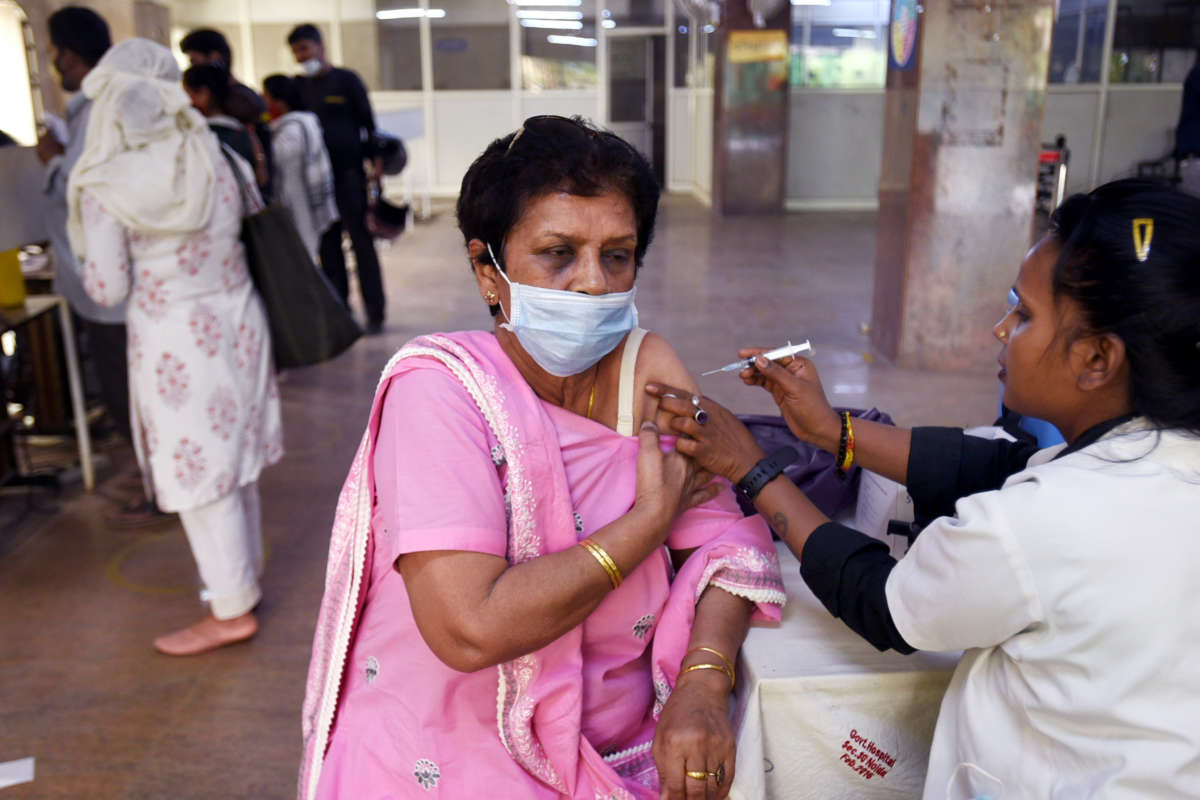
{"type": "Point", "coordinates": [668, 483]}
{"type": "Point", "coordinates": [694, 735]}
{"type": "Point", "coordinates": [796, 389]}
{"type": "Point", "coordinates": [721, 444]}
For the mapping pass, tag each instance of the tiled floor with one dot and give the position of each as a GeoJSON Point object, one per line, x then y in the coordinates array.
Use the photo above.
{"type": "Point", "coordinates": [105, 717]}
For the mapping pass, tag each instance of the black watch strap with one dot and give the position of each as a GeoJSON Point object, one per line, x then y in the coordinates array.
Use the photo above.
{"type": "Point", "coordinates": [766, 471]}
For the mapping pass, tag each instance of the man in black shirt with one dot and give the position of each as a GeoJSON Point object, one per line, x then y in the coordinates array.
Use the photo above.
{"type": "Point", "coordinates": [339, 98]}
{"type": "Point", "coordinates": [205, 46]}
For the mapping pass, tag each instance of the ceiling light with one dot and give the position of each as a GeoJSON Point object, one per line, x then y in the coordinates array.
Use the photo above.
{"type": "Point", "coordinates": [410, 13]}
{"type": "Point", "coordinates": [559, 3]}
{"type": "Point", "coordinates": [554, 24]}
{"type": "Point", "coordinates": [539, 14]}
{"type": "Point", "coordinates": [578, 41]}
{"type": "Point", "coordinates": [608, 23]}
{"type": "Point", "coordinates": [854, 33]}
{"type": "Point", "coordinates": [811, 2]}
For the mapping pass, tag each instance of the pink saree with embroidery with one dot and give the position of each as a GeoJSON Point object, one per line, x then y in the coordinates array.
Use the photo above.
{"type": "Point", "coordinates": [460, 454]}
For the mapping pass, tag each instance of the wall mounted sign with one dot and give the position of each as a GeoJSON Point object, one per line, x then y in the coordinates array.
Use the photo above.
{"type": "Point", "coordinates": [903, 33]}
{"type": "Point", "coordinates": [753, 47]}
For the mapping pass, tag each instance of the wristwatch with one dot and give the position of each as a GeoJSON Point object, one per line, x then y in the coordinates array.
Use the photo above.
{"type": "Point", "coordinates": [765, 471]}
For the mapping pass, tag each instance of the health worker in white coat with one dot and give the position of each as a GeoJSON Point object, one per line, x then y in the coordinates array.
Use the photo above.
{"type": "Point", "coordinates": [1067, 575]}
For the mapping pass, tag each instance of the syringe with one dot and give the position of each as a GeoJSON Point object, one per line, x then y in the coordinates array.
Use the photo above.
{"type": "Point", "coordinates": [804, 348]}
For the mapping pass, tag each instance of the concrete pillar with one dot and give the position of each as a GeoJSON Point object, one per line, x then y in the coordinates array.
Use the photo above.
{"type": "Point", "coordinates": [966, 92]}
{"type": "Point", "coordinates": [750, 108]}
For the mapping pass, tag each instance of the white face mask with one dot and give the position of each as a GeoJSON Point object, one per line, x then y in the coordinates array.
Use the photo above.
{"type": "Point", "coordinates": [311, 67]}
{"type": "Point", "coordinates": [567, 332]}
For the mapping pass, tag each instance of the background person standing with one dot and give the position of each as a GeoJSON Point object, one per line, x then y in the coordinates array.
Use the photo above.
{"type": "Point", "coordinates": [339, 99]}
{"type": "Point", "coordinates": [303, 177]}
{"type": "Point", "coordinates": [79, 37]}
{"type": "Point", "coordinates": [206, 47]}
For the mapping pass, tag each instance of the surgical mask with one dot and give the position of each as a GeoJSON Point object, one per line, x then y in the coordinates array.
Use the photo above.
{"type": "Point", "coordinates": [311, 67]}
{"type": "Point", "coordinates": [567, 332]}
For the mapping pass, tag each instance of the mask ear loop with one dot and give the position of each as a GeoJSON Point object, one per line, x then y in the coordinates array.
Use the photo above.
{"type": "Point", "coordinates": [496, 263]}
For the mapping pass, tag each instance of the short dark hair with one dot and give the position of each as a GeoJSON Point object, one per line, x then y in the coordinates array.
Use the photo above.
{"type": "Point", "coordinates": [206, 40]}
{"type": "Point", "coordinates": [1149, 299]}
{"type": "Point", "coordinates": [550, 154]}
{"type": "Point", "coordinates": [303, 31]}
{"type": "Point", "coordinates": [286, 90]}
{"type": "Point", "coordinates": [80, 30]}
{"type": "Point", "coordinates": [208, 76]}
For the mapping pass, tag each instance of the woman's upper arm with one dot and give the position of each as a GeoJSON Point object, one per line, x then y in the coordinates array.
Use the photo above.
{"type": "Point", "coordinates": [658, 363]}
{"type": "Point", "coordinates": [439, 505]}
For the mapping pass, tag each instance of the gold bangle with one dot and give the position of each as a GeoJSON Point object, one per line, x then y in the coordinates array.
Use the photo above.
{"type": "Point", "coordinates": [718, 654]}
{"type": "Point", "coordinates": [721, 667]}
{"type": "Point", "coordinates": [601, 555]}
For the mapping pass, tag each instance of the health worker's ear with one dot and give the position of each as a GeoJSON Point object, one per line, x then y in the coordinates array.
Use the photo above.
{"type": "Point", "coordinates": [1099, 362]}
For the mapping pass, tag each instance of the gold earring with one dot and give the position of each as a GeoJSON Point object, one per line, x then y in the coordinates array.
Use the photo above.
{"type": "Point", "coordinates": [1003, 336]}
{"type": "Point", "coordinates": [490, 298]}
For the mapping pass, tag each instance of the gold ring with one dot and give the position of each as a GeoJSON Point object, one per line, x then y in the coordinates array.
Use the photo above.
{"type": "Point", "coordinates": [699, 775]}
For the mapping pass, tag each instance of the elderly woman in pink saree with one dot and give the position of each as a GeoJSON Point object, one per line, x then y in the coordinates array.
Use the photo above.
{"type": "Point", "coordinates": [525, 598]}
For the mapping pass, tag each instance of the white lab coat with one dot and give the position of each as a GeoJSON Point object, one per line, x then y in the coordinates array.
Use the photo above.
{"type": "Point", "coordinates": [303, 177]}
{"type": "Point", "coordinates": [1073, 591]}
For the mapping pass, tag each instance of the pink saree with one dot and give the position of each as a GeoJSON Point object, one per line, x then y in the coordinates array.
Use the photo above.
{"type": "Point", "coordinates": [536, 718]}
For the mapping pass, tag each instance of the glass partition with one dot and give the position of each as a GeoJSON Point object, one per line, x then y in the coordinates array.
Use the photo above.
{"type": "Point", "coordinates": [558, 46]}
{"type": "Point", "coordinates": [841, 45]}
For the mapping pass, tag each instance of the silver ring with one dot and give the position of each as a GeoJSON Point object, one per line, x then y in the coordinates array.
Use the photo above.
{"type": "Point", "coordinates": [696, 400]}
{"type": "Point", "coordinates": [701, 416]}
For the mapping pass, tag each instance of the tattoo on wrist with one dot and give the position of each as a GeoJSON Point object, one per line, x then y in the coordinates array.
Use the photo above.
{"type": "Point", "coordinates": [780, 523]}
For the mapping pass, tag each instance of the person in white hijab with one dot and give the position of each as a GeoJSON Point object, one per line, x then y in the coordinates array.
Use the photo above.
{"type": "Point", "coordinates": [155, 213]}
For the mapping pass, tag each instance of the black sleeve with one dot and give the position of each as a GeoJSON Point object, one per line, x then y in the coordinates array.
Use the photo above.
{"type": "Point", "coordinates": [847, 571]}
{"type": "Point", "coordinates": [360, 106]}
{"type": "Point", "coordinates": [945, 464]}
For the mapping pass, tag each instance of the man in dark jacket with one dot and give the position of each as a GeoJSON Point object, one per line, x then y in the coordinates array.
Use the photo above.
{"type": "Point", "coordinates": [205, 46]}
{"type": "Point", "coordinates": [339, 99]}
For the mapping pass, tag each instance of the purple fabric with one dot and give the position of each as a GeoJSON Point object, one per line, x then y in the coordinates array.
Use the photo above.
{"type": "Point", "coordinates": [814, 470]}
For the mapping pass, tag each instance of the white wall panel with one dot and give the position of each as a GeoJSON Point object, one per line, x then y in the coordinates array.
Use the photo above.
{"type": "Point", "coordinates": [464, 123]}
{"type": "Point", "coordinates": [1139, 125]}
{"type": "Point", "coordinates": [566, 103]}
{"type": "Point", "coordinates": [681, 130]}
{"type": "Point", "coordinates": [704, 143]}
{"type": "Point", "coordinates": [835, 147]}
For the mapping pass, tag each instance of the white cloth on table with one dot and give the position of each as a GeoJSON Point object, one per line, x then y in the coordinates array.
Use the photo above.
{"type": "Point", "coordinates": [303, 175]}
{"type": "Point", "coordinates": [226, 540]}
{"type": "Point", "coordinates": [818, 709]}
{"type": "Point", "coordinates": [148, 155]}
{"type": "Point", "coordinates": [204, 405]}
{"type": "Point", "coordinates": [1073, 588]}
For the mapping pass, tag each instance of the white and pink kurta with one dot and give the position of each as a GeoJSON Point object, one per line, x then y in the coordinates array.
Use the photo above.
{"type": "Point", "coordinates": [203, 401]}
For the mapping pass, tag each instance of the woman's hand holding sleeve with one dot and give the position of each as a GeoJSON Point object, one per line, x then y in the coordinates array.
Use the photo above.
{"type": "Point", "coordinates": [694, 734]}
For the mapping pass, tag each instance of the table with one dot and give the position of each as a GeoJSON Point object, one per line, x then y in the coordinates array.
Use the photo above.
{"type": "Point", "coordinates": [36, 306]}
{"type": "Point", "coordinates": [821, 714]}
